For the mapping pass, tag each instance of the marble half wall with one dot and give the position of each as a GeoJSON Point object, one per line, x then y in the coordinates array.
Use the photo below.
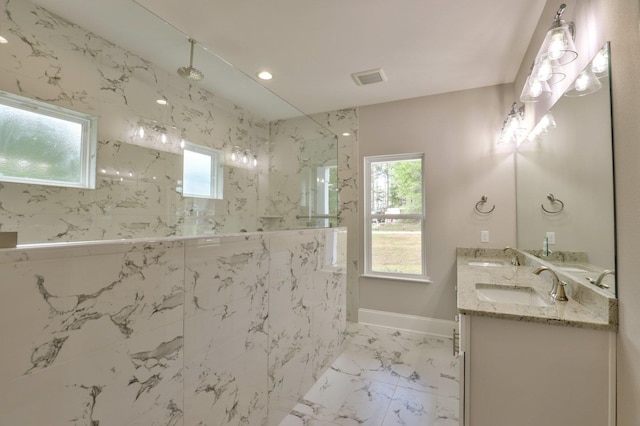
{"type": "Point", "coordinates": [224, 330]}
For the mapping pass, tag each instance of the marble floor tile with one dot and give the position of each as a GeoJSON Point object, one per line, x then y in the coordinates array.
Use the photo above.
{"type": "Point", "coordinates": [384, 377]}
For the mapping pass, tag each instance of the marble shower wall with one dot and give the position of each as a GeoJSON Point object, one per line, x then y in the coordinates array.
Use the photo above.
{"type": "Point", "coordinates": [226, 330]}
{"type": "Point", "coordinates": [138, 180]}
{"type": "Point", "coordinates": [313, 148]}
{"type": "Point", "coordinates": [340, 122]}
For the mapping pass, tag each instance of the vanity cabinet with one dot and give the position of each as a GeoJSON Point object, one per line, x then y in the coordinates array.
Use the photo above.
{"type": "Point", "coordinates": [531, 374]}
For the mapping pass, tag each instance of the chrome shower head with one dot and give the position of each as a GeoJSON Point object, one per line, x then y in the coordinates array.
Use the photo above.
{"type": "Point", "coordinates": [191, 73]}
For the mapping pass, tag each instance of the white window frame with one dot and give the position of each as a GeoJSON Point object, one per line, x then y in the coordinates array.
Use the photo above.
{"type": "Point", "coordinates": [89, 139]}
{"type": "Point", "coordinates": [216, 184]}
{"type": "Point", "coordinates": [369, 216]}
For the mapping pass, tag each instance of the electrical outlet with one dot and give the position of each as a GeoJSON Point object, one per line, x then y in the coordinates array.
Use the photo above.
{"type": "Point", "coordinates": [551, 237]}
{"type": "Point", "coordinates": [484, 236]}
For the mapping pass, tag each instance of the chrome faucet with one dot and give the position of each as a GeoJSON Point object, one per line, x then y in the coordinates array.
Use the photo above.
{"type": "Point", "coordinates": [598, 282]}
{"type": "Point", "coordinates": [557, 290]}
{"type": "Point", "coordinates": [514, 257]}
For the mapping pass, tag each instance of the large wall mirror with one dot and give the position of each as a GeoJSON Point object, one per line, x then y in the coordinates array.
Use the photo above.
{"type": "Point", "coordinates": [565, 185]}
{"type": "Point", "coordinates": [168, 154]}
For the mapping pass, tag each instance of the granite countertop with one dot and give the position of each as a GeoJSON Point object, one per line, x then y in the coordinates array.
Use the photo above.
{"type": "Point", "coordinates": [587, 308]}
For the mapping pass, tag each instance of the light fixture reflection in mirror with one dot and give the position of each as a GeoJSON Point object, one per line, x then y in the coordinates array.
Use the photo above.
{"type": "Point", "coordinates": [586, 83]}
{"type": "Point", "coordinates": [600, 64]}
{"type": "Point", "coordinates": [547, 123]}
{"type": "Point", "coordinates": [573, 158]}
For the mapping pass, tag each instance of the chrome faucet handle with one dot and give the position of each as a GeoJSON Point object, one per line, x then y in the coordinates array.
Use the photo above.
{"type": "Point", "coordinates": [601, 277]}
{"type": "Point", "coordinates": [557, 290]}
{"type": "Point", "coordinates": [514, 258]}
{"type": "Point", "coordinates": [561, 296]}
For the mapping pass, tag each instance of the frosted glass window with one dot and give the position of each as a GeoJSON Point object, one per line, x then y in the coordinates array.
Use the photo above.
{"type": "Point", "coordinates": [201, 174]}
{"type": "Point", "coordinates": [45, 144]}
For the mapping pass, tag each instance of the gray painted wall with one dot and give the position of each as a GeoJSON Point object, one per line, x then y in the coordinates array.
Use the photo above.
{"type": "Point", "coordinates": [457, 133]}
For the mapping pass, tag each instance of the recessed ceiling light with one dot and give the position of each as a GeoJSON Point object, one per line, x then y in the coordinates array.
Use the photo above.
{"type": "Point", "coordinates": [265, 75]}
{"type": "Point", "coordinates": [161, 102]}
{"type": "Point", "coordinates": [346, 134]}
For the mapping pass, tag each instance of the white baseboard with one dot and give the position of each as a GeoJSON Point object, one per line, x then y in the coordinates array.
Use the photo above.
{"type": "Point", "coordinates": [425, 325]}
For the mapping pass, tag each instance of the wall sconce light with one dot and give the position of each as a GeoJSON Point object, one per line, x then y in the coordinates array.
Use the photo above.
{"type": "Point", "coordinates": [534, 89]}
{"type": "Point", "coordinates": [152, 133]}
{"type": "Point", "coordinates": [513, 128]}
{"type": "Point", "coordinates": [558, 45]}
{"type": "Point", "coordinates": [558, 49]}
{"type": "Point", "coordinates": [241, 157]}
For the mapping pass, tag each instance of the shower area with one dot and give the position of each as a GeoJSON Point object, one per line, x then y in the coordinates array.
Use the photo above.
{"type": "Point", "coordinates": [275, 167]}
{"type": "Point", "coordinates": [199, 276]}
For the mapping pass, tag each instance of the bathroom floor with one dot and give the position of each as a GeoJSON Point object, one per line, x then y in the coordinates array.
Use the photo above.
{"type": "Point", "coordinates": [384, 377]}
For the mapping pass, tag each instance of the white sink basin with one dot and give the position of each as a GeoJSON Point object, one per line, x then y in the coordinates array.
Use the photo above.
{"type": "Point", "coordinates": [507, 294]}
{"type": "Point", "coordinates": [493, 263]}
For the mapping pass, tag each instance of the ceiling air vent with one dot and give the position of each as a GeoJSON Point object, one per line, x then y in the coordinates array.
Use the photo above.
{"type": "Point", "coordinates": [369, 77]}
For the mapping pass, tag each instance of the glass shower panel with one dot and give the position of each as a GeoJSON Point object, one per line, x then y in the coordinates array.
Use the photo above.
{"type": "Point", "coordinates": [302, 177]}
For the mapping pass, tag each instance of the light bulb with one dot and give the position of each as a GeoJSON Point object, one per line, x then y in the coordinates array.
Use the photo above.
{"type": "Point", "coordinates": [163, 138]}
{"type": "Point", "coordinates": [582, 82]}
{"type": "Point", "coordinates": [548, 122]}
{"type": "Point", "coordinates": [245, 159]}
{"type": "Point", "coordinates": [141, 132]}
{"type": "Point", "coordinates": [255, 161]}
{"type": "Point", "coordinates": [556, 47]}
{"type": "Point", "coordinates": [600, 63]}
{"type": "Point", "coordinates": [535, 89]}
{"type": "Point", "coordinates": [545, 70]}
{"type": "Point", "coordinates": [233, 156]}
{"type": "Point", "coordinates": [182, 143]}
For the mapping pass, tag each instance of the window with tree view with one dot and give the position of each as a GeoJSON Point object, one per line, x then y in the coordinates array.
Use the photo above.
{"type": "Point", "coordinates": [394, 243]}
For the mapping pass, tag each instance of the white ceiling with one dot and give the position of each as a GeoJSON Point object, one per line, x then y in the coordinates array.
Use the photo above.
{"type": "Point", "coordinates": [312, 47]}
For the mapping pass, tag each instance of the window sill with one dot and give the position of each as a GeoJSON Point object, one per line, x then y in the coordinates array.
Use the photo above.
{"type": "Point", "coordinates": [392, 278]}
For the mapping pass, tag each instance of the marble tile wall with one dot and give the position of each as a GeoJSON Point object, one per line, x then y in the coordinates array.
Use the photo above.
{"type": "Point", "coordinates": [341, 122]}
{"type": "Point", "coordinates": [139, 179]}
{"type": "Point", "coordinates": [223, 330]}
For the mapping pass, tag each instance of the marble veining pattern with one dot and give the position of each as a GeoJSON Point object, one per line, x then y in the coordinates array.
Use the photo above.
{"type": "Point", "coordinates": [587, 306]}
{"type": "Point", "coordinates": [176, 332]}
{"type": "Point", "coordinates": [138, 179]}
{"type": "Point", "coordinates": [384, 377]}
{"type": "Point", "coordinates": [346, 121]}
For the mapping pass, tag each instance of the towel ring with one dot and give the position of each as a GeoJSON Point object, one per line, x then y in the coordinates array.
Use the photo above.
{"type": "Point", "coordinates": [482, 201]}
{"type": "Point", "coordinates": [553, 200]}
